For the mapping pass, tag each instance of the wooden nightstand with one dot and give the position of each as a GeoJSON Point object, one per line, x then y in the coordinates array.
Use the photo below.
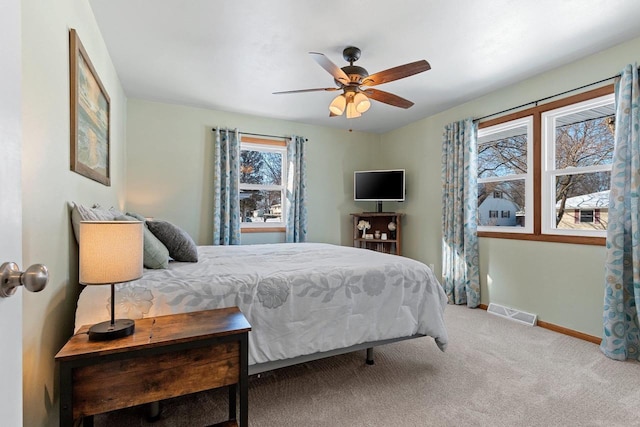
{"type": "Point", "coordinates": [167, 356]}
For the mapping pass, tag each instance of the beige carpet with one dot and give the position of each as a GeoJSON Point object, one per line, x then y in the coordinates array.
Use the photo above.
{"type": "Point", "coordinates": [495, 373]}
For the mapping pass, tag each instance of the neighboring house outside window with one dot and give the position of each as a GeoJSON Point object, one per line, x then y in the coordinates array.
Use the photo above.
{"type": "Point", "coordinates": [586, 212]}
{"type": "Point", "coordinates": [567, 162]}
{"type": "Point", "coordinates": [262, 184]}
{"type": "Point", "coordinates": [497, 212]}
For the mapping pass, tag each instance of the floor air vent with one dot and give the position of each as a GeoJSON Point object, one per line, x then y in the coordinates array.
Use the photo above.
{"type": "Point", "coordinates": [511, 314]}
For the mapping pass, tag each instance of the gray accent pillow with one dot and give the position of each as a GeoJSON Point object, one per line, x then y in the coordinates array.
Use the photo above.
{"type": "Point", "coordinates": [181, 246]}
{"type": "Point", "coordinates": [156, 255]}
{"type": "Point", "coordinates": [96, 213]}
{"type": "Point", "coordinates": [137, 216]}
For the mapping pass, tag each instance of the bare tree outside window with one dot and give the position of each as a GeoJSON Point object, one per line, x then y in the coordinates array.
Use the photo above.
{"type": "Point", "coordinates": [503, 156]}
{"type": "Point", "coordinates": [582, 144]}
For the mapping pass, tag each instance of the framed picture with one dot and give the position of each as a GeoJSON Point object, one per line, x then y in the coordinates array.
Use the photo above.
{"type": "Point", "coordinates": [90, 130]}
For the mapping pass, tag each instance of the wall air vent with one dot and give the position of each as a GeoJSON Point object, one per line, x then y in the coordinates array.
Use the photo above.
{"type": "Point", "coordinates": [512, 314]}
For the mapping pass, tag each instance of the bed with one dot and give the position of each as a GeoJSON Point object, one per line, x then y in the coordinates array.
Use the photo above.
{"type": "Point", "coordinates": [303, 300]}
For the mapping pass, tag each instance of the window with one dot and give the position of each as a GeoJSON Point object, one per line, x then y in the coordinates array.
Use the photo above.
{"type": "Point", "coordinates": [586, 216]}
{"type": "Point", "coordinates": [578, 151]}
{"type": "Point", "coordinates": [262, 184]}
{"type": "Point", "coordinates": [505, 180]}
{"type": "Point", "coordinates": [547, 170]}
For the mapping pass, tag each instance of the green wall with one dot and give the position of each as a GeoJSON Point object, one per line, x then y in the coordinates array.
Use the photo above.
{"type": "Point", "coordinates": [48, 185]}
{"type": "Point", "coordinates": [562, 283]}
{"type": "Point", "coordinates": [170, 173]}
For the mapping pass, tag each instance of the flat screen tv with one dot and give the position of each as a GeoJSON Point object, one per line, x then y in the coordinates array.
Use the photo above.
{"type": "Point", "coordinates": [379, 186]}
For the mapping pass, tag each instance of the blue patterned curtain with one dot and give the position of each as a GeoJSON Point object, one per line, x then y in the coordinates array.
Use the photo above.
{"type": "Point", "coordinates": [296, 190]}
{"type": "Point", "coordinates": [460, 266]}
{"type": "Point", "coordinates": [621, 334]}
{"type": "Point", "coordinates": [226, 203]}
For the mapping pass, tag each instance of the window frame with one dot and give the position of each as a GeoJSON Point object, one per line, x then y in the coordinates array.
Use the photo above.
{"type": "Point", "coordinates": [536, 113]}
{"type": "Point", "coordinates": [526, 121]}
{"type": "Point", "coordinates": [266, 145]}
{"type": "Point", "coordinates": [550, 171]}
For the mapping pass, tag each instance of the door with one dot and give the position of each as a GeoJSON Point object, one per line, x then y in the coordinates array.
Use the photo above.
{"type": "Point", "coordinates": [10, 210]}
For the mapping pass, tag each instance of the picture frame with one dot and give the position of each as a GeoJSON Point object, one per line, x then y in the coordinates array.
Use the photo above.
{"type": "Point", "coordinates": [90, 116]}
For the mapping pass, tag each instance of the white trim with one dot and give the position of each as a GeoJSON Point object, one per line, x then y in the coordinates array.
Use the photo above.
{"type": "Point", "coordinates": [503, 178]}
{"type": "Point", "coordinates": [262, 187]}
{"type": "Point", "coordinates": [580, 170]}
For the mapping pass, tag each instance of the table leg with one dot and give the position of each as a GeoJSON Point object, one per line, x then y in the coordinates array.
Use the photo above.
{"type": "Point", "coordinates": [153, 411]}
{"type": "Point", "coordinates": [66, 402]}
{"type": "Point", "coordinates": [244, 380]}
{"type": "Point", "coordinates": [232, 401]}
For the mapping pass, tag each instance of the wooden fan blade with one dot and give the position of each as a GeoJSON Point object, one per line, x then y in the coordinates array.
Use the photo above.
{"type": "Point", "coordinates": [326, 89]}
{"type": "Point", "coordinates": [396, 73]}
{"type": "Point", "coordinates": [388, 98]}
{"type": "Point", "coordinates": [331, 68]}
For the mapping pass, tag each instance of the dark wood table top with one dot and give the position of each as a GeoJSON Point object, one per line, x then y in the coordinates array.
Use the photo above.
{"type": "Point", "coordinates": [159, 331]}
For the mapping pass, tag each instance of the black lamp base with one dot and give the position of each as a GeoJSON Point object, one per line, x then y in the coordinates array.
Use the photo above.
{"type": "Point", "coordinates": [107, 331]}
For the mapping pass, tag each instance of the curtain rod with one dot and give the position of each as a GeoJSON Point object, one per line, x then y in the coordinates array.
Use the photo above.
{"type": "Point", "coordinates": [260, 134]}
{"type": "Point", "coordinates": [546, 98]}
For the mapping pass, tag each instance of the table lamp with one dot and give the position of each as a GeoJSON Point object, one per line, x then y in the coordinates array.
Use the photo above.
{"type": "Point", "coordinates": [110, 252]}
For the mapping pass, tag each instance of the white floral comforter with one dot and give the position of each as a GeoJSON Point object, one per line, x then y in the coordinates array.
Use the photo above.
{"type": "Point", "coordinates": [300, 298]}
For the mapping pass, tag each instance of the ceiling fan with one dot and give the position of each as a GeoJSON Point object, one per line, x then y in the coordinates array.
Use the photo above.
{"type": "Point", "coordinates": [355, 83]}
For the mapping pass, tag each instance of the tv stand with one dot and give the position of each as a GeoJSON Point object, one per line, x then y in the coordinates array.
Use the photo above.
{"type": "Point", "coordinates": [379, 221]}
{"type": "Point", "coordinates": [379, 210]}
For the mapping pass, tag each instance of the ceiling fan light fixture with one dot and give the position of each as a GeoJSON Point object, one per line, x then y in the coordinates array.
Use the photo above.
{"type": "Point", "coordinates": [352, 112]}
{"type": "Point", "coordinates": [338, 105]}
{"type": "Point", "coordinates": [356, 83]}
{"type": "Point", "coordinates": [361, 102]}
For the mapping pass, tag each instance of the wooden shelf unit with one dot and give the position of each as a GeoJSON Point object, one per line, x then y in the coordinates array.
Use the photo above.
{"type": "Point", "coordinates": [379, 222]}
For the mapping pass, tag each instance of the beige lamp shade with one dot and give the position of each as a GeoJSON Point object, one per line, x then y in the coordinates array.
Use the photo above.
{"type": "Point", "coordinates": [361, 102]}
{"type": "Point", "coordinates": [352, 113]}
{"type": "Point", "coordinates": [338, 105]}
{"type": "Point", "coordinates": [110, 251]}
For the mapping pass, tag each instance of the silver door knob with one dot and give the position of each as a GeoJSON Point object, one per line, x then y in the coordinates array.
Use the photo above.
{"type": "Point", "coordinates": [34, 278]}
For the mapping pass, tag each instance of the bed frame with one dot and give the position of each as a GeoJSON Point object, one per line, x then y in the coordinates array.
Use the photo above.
{"type": "Point", "coordinates": [270, 366]}
{"type": "Point", "coordinates": [153, 408]}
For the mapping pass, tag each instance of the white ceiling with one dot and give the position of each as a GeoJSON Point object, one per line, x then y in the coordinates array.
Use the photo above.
{"type": "Point", "coordinates": [231, 55]}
